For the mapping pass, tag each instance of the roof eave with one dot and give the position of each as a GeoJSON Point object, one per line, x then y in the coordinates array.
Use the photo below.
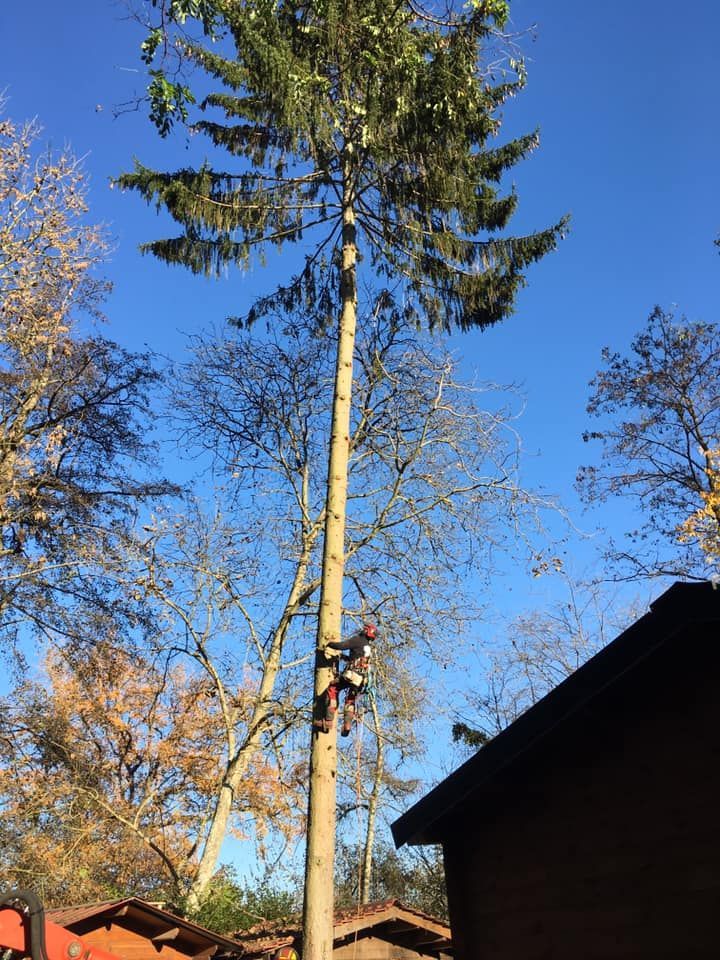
{"type": "Point", "coordinates": [681, 605]}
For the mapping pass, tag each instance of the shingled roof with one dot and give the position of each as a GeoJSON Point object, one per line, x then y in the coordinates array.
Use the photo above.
{"type": "Point", "coordinates": [161, 924]}
{"type": "Point", "coordinates": [389, 919]}
{"type": "Point", "coordinates": [684, 606]}
{"type": "Point", "coordinates": [66, 916]}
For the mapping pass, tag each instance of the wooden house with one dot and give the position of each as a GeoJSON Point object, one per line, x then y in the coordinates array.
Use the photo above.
{"type": "Point", "coordinates": [387, 930]}
{"type": "Point", "coordinates": [590, 827]}
{"type": "Point", "coordinates": [134, 929]}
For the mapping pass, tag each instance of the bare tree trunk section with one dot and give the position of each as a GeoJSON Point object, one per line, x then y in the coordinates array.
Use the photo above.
{"type": "Point", "coordinates": [213, 844]}
{"type": "Point", "coordinates": [320, 852]}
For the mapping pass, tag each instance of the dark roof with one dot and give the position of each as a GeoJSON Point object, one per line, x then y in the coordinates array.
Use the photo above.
{"type": "Point", "coordinates": [390, 919]}
{"type": "Point", "coordinates": [683, 605]}
{"type": "Point", "coordinates": [162, 924]}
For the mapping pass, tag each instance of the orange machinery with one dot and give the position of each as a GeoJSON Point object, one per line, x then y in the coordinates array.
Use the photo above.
{"type": "Point", "coordinates": [24, 932]}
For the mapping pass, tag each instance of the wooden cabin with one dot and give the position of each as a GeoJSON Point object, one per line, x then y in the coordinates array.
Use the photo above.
{"type": "Point", "coordinates": [590, 827]}
{"type": "Point", "coordinates": [134, 929]}
{"type": "Point", "coordinates": [387, 930]}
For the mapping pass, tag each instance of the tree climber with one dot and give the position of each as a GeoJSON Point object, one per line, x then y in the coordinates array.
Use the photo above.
{"type": "Point", "coordinates": [353, 678]}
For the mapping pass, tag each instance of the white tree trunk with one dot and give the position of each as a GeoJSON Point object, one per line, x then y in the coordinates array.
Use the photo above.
{"type": "Point", "coordinates": [240, 756]}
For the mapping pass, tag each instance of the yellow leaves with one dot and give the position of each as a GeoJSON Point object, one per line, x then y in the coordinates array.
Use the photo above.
{"type": "Point", "coordinates": [57, 429]}
{"type": "Point", "coordinates": [703, 525]}
{"type": "Point", "coordinates": [46, 251]}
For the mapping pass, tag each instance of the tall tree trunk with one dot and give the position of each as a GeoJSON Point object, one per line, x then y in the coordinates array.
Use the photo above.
{"type": "Point", "coordinates": [320, 851]}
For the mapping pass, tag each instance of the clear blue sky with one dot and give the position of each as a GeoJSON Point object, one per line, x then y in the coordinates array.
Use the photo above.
{"type": "Point", "coordinates": [625, 96]}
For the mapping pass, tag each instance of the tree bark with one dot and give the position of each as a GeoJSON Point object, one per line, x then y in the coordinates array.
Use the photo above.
{"type": "Point", "coordinates": [320, 851]}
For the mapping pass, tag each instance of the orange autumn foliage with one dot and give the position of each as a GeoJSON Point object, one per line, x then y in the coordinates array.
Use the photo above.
{"type": "Point", "coordinates": [112, 764]}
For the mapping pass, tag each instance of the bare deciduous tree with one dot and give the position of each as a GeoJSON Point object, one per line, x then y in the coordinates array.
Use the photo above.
{"type": "Point", "coordinates": [73, 409]}
{"type": "Point", "coordinates": [659, 413]}
{"type": "Point", "coordinates": [229, 600]}
{"type": "Point", "coordinates": [432, 479]}
{"type": "Point", "coordinates": [127, 748]}
{"type": "Point", "coordinates": [539, 650]}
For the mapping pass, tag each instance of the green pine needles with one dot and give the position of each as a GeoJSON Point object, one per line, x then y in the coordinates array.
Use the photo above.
{"type": "Point", "coordinates": [362, 122]}
{"type": "Point", "coordinates": [367, 129]}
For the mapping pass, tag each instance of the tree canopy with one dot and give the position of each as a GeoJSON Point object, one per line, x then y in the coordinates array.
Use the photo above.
{"type": "Point", "coordinates": [360, 129]}
{"type": "Point", "coordinates": [658, 408]}
{"type": "Point", "coordinates": [74, 408]}
{"type": "Point", "coordinates": [331, 105]}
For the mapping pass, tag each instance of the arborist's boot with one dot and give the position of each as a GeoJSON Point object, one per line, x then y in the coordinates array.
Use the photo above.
{"type": "Point", "coordinates": [348, 717]}
{"type": "Point", "coordinates": [327, 711]}
{"type": "Point", "coordinates": [320, 723]}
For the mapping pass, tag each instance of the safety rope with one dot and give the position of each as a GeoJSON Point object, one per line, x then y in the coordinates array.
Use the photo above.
{"type": "Point", "coordinates": [360, 729]}
{"type": "Point", "coordinates": [368, 691]}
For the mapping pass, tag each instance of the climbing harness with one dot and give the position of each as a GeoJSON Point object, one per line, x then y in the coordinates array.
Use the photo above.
{"type": "Point", "coordinates": [354, 678]}
{"type": "Point", "coordinates": [358, 679]}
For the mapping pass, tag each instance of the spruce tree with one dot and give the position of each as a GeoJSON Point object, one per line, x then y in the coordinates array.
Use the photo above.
{"type": "Point", "coordinates": [367, 127]}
